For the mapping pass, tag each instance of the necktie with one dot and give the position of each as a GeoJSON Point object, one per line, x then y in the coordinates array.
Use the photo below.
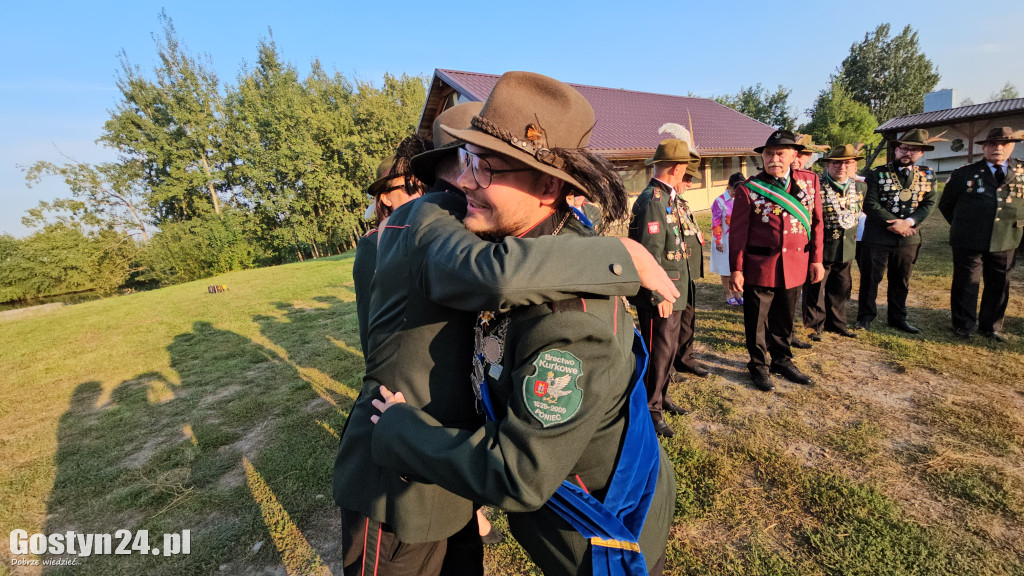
{"type": "Point", "coordinates": [999, 174]}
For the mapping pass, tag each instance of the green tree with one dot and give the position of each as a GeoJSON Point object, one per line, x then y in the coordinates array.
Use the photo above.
{"type": "Point", "coordinates": [174, 128]}
{"type": "Point", "coordinates": [106, 195]}
{"type": "Point", "coordinates": [888, 75]}
{"type": "Point", "coordinates": [1007, 92]}
{"type": "Point", "coordinates": [837, 119]}
{"type": "Point", "coordinates": [772, 108]}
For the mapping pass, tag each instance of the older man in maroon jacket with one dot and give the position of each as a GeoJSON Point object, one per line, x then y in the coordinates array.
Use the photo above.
{"type": "Point", "coordinates": [775, 244]}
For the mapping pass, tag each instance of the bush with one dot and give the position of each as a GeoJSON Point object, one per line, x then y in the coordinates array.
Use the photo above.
{"type": "Point", "coordinates": [199, 248]}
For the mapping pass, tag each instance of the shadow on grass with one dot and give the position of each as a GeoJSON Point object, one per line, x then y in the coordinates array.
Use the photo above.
{"type": "Point", "coordinates": [167, 456]}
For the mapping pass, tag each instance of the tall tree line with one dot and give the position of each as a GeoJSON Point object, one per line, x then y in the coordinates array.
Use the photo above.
{"type": "Point", "coordinates": [211, 176]}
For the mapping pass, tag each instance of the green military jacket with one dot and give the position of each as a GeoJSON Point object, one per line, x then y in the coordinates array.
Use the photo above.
{"type": "Point", "coordinates": [982, 216]}
{"type": "Point", "coordinates": [655, 225]}
{"type": "Point", "coordinates": [557, 375]}
{"type": "Point", "coordinates": [890, 196]}
{"type": "Point", "coordinates": [840, 211]}
{"type": "Point", "coordinates": [693, 238]}
{"type": "Point", "coordinates": [363, 266]}
{"type": "Point", "coordinates": [431, 276]}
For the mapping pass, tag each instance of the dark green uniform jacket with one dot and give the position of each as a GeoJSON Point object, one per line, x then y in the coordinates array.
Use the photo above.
{"type": "Point", "coordinates": [559, 385]}
{"type": "Point", "coordinates": [891, 197]}
{"type": "Point", "coordinates": [363, 266]}
{"type": "Point", "coordinates": [430, 272]}
{"type": "Point", "coordinates": [840, 210]}
{"type": "Point", "coordinates": [983, 217]}
{"type": "Point", "coordinates": [657, 228]}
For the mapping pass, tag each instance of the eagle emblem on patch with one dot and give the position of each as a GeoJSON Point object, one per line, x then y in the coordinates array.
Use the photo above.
{"type": "Point", "coordinates": [653, 227]}
{"type": "Point", "coordinates": [551, 393]}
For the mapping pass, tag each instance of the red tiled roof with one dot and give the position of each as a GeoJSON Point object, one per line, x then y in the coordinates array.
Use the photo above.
{"type": "Point", "coordinates": [940, 117]}
{"type": "Point", "coordinates": [628, 121]}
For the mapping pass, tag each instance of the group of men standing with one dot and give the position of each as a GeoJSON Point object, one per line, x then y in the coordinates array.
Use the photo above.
{"type": "Point", "coordinates": [791, 229]}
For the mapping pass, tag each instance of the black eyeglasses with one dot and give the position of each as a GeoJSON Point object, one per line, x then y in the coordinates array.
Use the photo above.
{"type": "Point", "coordinates": [481, 168]}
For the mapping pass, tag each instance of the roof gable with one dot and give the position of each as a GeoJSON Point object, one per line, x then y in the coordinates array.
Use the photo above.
{"type": "Point", "coordinates": [628, 121]}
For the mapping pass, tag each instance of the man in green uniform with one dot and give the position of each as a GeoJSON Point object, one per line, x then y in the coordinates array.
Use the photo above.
{"type": "Point", "coordinates": [898, 199]}
{"type": "Point", "coordinates": [824, 303]}
{"type": "Point", "coordinates": [983, 204]}
{"type": "Point", "coordinates": [554, 379]}
{"type": "Point", "coordinates": [431, 276]}
{"type": "Point", "coordinates": [694, 240]}
{"type": "Point", "coordinates": [657, 224]}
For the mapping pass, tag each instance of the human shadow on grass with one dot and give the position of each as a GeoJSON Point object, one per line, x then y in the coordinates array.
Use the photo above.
{"type": "Point", "coordinates": [165, 455]}
{"type": "Point", "coordinates": [322, 343]}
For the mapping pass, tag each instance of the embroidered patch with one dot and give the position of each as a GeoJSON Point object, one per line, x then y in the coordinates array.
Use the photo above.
{"type": "Point", "coordinates": [551, 394]}
{"type": "Point", "coordinates": [653, 228]}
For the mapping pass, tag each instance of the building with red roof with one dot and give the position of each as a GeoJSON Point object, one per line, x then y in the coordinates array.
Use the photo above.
{"type": "Point", "coordinates": [628, 125]}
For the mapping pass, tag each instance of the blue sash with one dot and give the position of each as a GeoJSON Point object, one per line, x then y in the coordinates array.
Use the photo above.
{"type": "Point", "coordinates": [582, 217]}
{"type": "Point", "coordinates": [613, 526]}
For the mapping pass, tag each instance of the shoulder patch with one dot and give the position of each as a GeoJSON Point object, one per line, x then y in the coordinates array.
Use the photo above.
{"type": "Point", "coordinates": [653, 228]}
{"type": "Point", "coordinates": [551, 394]}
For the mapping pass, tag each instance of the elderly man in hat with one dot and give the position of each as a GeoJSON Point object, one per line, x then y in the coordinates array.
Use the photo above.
{"type": "Point", "coordinates": [569, 451]}
{"type": "Point", "coordinates": [657, 222]}
{"type": "Point", "coordinates": [431, 277]}
{"type": "Point", "coordinates": [776, 241]}
{"type": "Point", "coordinates": [984, 205]}
{"type": "Point", "coordinates": [898, 199]}
{"type": "Point", "coordinates": [694, 240]}
{"type": "Point", "coordinates": [824, 303]}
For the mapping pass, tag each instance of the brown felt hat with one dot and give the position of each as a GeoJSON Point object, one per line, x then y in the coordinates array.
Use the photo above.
{"type": "Point", "coordinates": [917, 137]}
{"type": "Point", "coordinates": [782, 138]}
{"type": "Point", "coordinates": [693, 166]}
{"type": "Point", "coordinates": [383, 176]}
{"type": "Point", "coordinates": [670, 150]}
{"type": "Point", "coordinates": [844, 152]}
{"type": "Point", "coordinates": [807, 141]}
{"type": "Point", "coordinates": [1004, 134]}
{"type": "Point", "coordinates": [527, 116]}
{"type": "Point", "coordinates": [458, 117]}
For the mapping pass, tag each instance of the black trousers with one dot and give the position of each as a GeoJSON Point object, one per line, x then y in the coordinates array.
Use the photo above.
{"type": "Point", "coordinates": [969, 269]}
{"type": "Point", "coordinates": [687, 324]}
{"type": "Point", "coordinates": [662, 338]}
{"type": "Point", "coordinates": [875, 260]}
{"type": "Point", "coordinates": [370, 548]}
{"type": "Point", "coordinates": [768, 324]}
{"type": "Point", "coordinates": [824, 303]}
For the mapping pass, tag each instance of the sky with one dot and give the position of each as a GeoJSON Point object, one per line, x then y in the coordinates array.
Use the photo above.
{"type": "Point", "coordinates": [58, 76]}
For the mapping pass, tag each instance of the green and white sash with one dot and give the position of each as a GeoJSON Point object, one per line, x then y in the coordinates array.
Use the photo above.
{"type": "Point", "coordinates": [786, 201]}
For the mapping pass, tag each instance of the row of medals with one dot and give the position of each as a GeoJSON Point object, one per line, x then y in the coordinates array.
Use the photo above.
{"type": "Point", "coordinates": [489, 348]}
{"type": "Point", "coordinates": [841, 218]}
{"type": "Point", "coordinates": [765, 207]}
{"type": "Point", "coordinates": [1014, 187]}
{"type": "Point", "coordinates": [672, 219]}
{"type": "Point", "coordinates": [888, 184]}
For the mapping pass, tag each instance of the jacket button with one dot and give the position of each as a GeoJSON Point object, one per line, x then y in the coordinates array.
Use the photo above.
{"type": "Point", "coordinates": [997, 218]}
{"type": "Point", "coordinates": [783, 249]}
{"type": "Point", "coordinates": [617, 269]}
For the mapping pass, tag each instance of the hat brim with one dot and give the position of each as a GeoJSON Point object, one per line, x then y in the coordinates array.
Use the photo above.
{"type": "Point", "coordinates": [997, 140]}
{"type": "Point", "coordinates": [825, 159]}
{"type": "Point", "coordinates": [499, 146]}
{"type": "Point", "coordinates": [652, 161]}
{"type": "Point", "coordinates": [378, 186]}
{"type": "Point", "coordinates": [924, 147]}
{"type": "Point", "coordinates": [797, 147]}
{"type": "Point", "coordinates": [423, 163]}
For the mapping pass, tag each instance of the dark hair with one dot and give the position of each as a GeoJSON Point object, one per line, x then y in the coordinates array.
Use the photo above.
{"type": "Point", "coordinates": [737, 178]}
{"type": "Point", "coordinates": [402, 168]}
{"type": "Point", "coordinates": [600, 182]}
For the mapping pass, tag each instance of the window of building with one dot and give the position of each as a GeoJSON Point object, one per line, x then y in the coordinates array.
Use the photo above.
{"type": "Point", "coordinates": [634, 176]}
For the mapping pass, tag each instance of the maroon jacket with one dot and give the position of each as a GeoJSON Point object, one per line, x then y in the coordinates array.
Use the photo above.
{"type": "Point", "coordinates": [761, 232]}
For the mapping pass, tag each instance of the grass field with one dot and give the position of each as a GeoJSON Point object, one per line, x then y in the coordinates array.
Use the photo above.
{"type": "Point", "coordinates": [218, 413]}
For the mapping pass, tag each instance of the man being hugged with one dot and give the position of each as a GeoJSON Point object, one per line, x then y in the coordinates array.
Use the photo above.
{"type": "Point", "coordinates": [568, 450]}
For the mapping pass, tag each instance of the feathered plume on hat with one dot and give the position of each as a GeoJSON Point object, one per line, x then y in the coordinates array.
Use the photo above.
{"type": "Point", "coordinates": [677, 131]}
{"type": "Point", "coordinates": [937, 138]}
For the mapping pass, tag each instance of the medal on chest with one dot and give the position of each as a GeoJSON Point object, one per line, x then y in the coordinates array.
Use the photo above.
{"type": "Point", "coordinates": [490, 333]}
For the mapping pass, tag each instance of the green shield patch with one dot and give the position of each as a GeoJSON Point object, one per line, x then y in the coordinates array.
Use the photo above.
{"type": "Point", "coordinates": [551, 394]}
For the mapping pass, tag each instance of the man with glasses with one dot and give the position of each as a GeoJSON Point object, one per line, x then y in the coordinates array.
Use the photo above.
{"type": "Point", "coordinates": [694, 240]}
{"type": "Point", "coordinates": [824, 304]}
{"type": "Point", "coordinates": [983, 204]}
{"type": "Point", "coordinates": [658, 224]}
{"type": "Point", "coordinates": [899, 197]}
{"type": "Point", "coordinates": [568, 450]}
{"type": "Point", "coordinates": [431, 277]}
